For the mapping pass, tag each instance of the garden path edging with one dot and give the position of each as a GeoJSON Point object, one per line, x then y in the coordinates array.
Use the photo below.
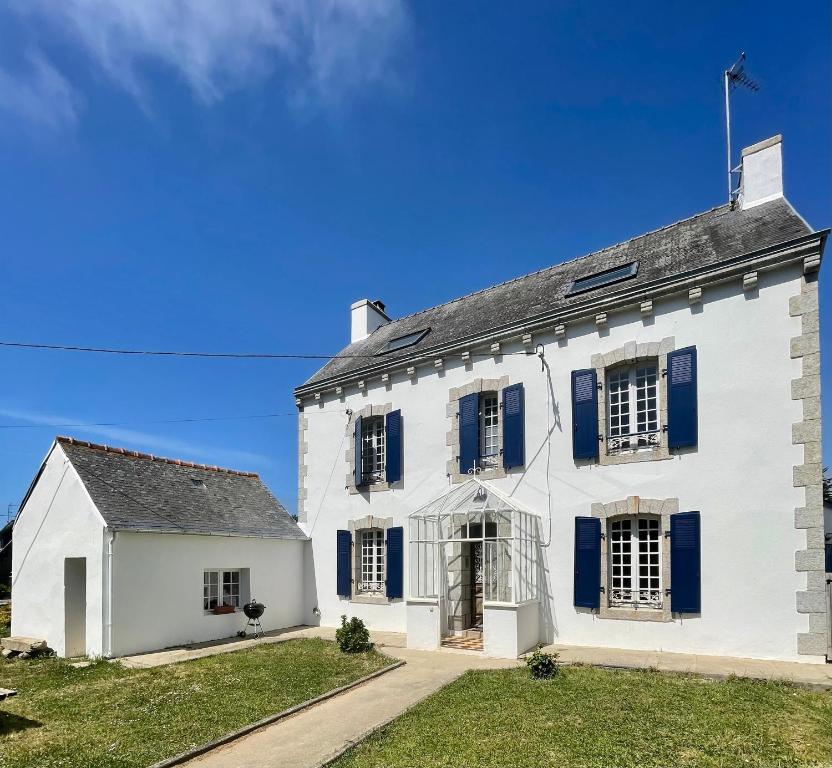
{"type": "Point", "coordinates": [202, 749]}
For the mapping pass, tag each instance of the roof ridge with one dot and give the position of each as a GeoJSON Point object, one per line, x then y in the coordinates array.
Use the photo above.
{"type": "Point", "coordinates": [556, 266]}
{"type": "Point", "coordinates": [150, 456]}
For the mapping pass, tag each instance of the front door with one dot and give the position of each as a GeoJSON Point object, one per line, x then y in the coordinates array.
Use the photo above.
{"type": "Point", "coordinates": [75, 606]}
{"type": "Point", "coordinates": [476, 584]}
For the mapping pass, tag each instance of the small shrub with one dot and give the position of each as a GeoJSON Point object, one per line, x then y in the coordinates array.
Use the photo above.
{"type": "Point", "coordinates": [543, 666]}
{"type": "Point", "coordinates": [352, 636]}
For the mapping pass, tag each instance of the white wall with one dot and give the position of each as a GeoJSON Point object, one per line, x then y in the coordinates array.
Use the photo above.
{"type": "Point", "coordinates": [739, 477]}
{"type": "Point", "coordinates": [158, 582]}
{"type": "Point", "coordinates": [57, 521]}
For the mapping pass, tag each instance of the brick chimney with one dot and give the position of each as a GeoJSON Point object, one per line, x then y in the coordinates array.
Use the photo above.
{"type": "Point", "coordinates": [366, 316]}
{"type": "Point", "coordinates": [762, 172]}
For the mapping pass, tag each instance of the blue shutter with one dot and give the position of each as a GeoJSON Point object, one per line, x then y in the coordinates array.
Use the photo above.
{"type": "Point", "coordinates": [685, 567]}
{"type": "Point", "coordinates": [393, 442]}
{"type": "Point", "coordinates": [344, 565]}
{"type": "Point", "coordinates": [357, 452]}
{"type": "Point", "coordinates": [395, 562]}
{"type": "Point", "coordinates": [513, 427]}
{"type": "Point", "coordinates": [681, 398]}
{"type": "Point", "coordinates": [469, 432]}
{"type": "Point", "coordinates": [585, 414]}
{"type": "Point", "coordinates": [587, 562]}
{"type": "Point", "coordinates": [828, 556]}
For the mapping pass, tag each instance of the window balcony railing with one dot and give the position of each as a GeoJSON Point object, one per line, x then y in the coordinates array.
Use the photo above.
{"type": "Point", "coordinates": [650, 598]}
{"type": "Point", "coordinates": [371, 586]}
{"type": "Point", "coordinates": [634, 441]}
{"type": "Point", "coordinates": [372, 478]}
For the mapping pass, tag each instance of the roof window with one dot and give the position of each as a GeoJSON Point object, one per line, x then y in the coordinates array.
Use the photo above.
{"type": "Point", "coordinates": [402, 342]}
{"type": "Point", "coordinates": [603, 278]}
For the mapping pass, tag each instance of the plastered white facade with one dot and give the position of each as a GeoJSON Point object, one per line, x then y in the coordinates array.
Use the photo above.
{"type": "Point", "coordinates": [158, 586]}
{"type": "Point", "coordinates": [58, 521]}
{"type": "Point", "coordinates": [739, 477]}
{"type": "Point", "coordinates": [156, 581]}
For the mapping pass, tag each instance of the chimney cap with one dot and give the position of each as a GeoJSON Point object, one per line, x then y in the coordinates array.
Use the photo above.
{"type": "Point", "coordinates": [764, 144]}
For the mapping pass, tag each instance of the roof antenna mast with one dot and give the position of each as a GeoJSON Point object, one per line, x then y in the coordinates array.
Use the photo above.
{"type": "Point", "coordinates": [733, 77]}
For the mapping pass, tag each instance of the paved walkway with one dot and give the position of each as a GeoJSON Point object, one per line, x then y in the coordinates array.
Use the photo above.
{"type": "Point", "coordinates": [315, 735]}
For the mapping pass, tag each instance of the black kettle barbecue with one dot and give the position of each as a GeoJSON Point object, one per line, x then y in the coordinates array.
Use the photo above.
{"type": "Point", "coordinates": [253, 611]}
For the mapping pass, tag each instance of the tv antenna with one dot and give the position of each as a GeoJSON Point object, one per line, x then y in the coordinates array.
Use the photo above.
{"type": "Point", "coordinates": [733, 78]}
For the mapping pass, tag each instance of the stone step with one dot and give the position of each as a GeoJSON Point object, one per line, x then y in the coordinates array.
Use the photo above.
{"type": "Point", "coordinates": [6, 693]}
{"type": "Point", "coordinates": [22, 644]}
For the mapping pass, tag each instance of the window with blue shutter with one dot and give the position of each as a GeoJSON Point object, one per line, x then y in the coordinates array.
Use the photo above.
{"type": "Point", "coordinates": [395, 563]}
{"type": "Point", "coordinates": [584, 414]}
{"type": "Point", "coordinates": [343, 555]}
{"type": "Point", "coordinates": [357, 468]}
{"type": "Point", "coordinates": [469, 435]}
{"type": "Point", "coordinates": [587, 562]}
{"type": "Point", "coordinates": [393, 436]}
{"type": "Point", "coordinates": [681, 398]}
{"type": "Point", "coordinates": [513, 426]}
{"type": "Point", "coordinates": [685, 563]}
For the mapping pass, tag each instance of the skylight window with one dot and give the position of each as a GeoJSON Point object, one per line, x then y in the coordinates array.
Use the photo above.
{"type": "Point", "coordinates": [402, 342]}
{"type": "Point", "coordinates": [603, 278]}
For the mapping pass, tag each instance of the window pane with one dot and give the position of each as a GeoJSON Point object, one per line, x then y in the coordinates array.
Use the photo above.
{"type": "Point", "coordinates": [372, 561]}
{"type": "Point", "coordinates": [636, 583]}
{"type": "Point", "coordinates": [489, 425]}
{"type": "Point", "coordinates": [372, 449]}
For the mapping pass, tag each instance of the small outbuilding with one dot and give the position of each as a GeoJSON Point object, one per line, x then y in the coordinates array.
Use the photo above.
{"type": "Point", "coordinates": [119, 552]}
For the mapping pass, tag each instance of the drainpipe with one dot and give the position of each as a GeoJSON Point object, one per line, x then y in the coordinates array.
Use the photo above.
{"type": "Point", "coordinates": [111, 537]}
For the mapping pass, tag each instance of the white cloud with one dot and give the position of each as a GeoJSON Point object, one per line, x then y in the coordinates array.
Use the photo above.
{"type": "Point", "coordinates": [129, 438]}
{"type": "Point", "coordinates": [40, 94]}
{"type": "Point", "coordinates": [325, 49]}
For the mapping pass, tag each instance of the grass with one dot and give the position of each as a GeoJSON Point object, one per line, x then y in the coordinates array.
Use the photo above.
{"type": "Point", "coordinates": [595, 718]}
{"type": "Point", "coordinates": [5, 620]}
{"type": "Point", "coordinates": [106, 715]}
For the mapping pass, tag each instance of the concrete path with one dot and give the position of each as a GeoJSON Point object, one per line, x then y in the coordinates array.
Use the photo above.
{"type": "Point", "coordinates": [311, 737]}
{"type": "Point", "coordinates": [813, 675]}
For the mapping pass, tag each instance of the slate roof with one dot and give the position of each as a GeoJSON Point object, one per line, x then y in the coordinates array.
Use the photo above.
{"type": "Point", "coordinates": [700, 241]}
{"type": "Point", "coordinates": [139, 491]}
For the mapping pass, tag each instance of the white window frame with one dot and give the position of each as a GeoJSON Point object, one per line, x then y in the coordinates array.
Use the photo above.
{"type": "Point", "coordinates": [624, 587]}
{"type": "Point", "coordinates": [218, 592]}
{"type": "Point", "coordinates": [639, 427]}
{"type": "Point", "coordinates": [373, 450]}
{"type": "Point", "coordinates": [489, 429]}
{"type": "Point", "coordinates": [372, 562]}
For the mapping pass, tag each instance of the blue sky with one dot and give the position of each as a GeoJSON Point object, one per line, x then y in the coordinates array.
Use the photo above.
{"type": "Point", "coordinates": [231, 176]}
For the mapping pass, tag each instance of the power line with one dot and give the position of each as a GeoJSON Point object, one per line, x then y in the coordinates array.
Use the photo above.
{"type": "Point", "coordinates": [160, 421]}
{"type": "Point", "coordinates": [210, 355]}
{"type": "Point", "coordinates": [174, 353]}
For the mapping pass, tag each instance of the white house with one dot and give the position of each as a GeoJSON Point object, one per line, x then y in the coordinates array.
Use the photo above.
{"type": "Point", "coordinates": [118, 552]}
{"type": "Point", "coordinates": [622, 450]}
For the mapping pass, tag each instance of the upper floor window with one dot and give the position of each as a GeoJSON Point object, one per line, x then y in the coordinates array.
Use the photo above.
{"type": "Point", "coordinates": [372, 561]}
{"type": "Point", "coordinates": [635, 570]}
{"type": "Point", "coordinates": [633, 407]}
{"type": "Point", "coordinates": [489, 418]}
{"type": "Point", "coordinates": [373, 452]}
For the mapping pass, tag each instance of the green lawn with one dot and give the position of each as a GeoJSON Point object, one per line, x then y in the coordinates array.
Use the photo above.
{"type": "Point", "coordinates": [5, 620]}
{"type": "Point", "coordinates": [593, 717]}
{"type": "Point", "coordinates": [106, 715]}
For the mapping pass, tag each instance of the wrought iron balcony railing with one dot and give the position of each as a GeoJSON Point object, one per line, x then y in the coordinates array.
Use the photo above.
{"type": "Point", "coordinates": [634, 441]}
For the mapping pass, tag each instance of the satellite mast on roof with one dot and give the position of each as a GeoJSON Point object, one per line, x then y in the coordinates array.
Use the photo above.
{"type": "Point", "coordinates": [734, 77]}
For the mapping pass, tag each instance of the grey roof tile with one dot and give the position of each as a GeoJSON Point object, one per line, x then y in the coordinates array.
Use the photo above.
{"type": "Point", "coordinates": [138, 491]}
{"type": "Point", "coordinates": [703, 240]}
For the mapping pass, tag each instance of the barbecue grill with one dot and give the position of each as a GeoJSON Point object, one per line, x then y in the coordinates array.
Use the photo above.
{"type": "Point", "coordinates": [253, 612]}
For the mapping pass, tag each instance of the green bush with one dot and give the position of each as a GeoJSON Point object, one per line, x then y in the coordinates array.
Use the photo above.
{"type": "Point", "coordinates": [542, 665]}
{"type": "Point", "coordinates": [352, 636]}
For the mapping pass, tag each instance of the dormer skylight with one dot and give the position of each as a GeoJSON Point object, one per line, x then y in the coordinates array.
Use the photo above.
{"type": "Point", "coordinates": [603, 278]}
{"type": "Point", "coordinates": [402, 342]}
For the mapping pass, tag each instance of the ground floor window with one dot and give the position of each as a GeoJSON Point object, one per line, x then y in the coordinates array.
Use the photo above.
{"type": "Point", "coordinates": [372, 561]}
{"type": "Point", "coordinates": [220, 587]}
{"type": "Point", "coordinates": [635, 571]}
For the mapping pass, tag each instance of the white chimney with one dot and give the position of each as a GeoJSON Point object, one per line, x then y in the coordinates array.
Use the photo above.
{"type": "Point", "coordinates": [366, 317]}
{"type": "Point", "coordinates": [762, 172]}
